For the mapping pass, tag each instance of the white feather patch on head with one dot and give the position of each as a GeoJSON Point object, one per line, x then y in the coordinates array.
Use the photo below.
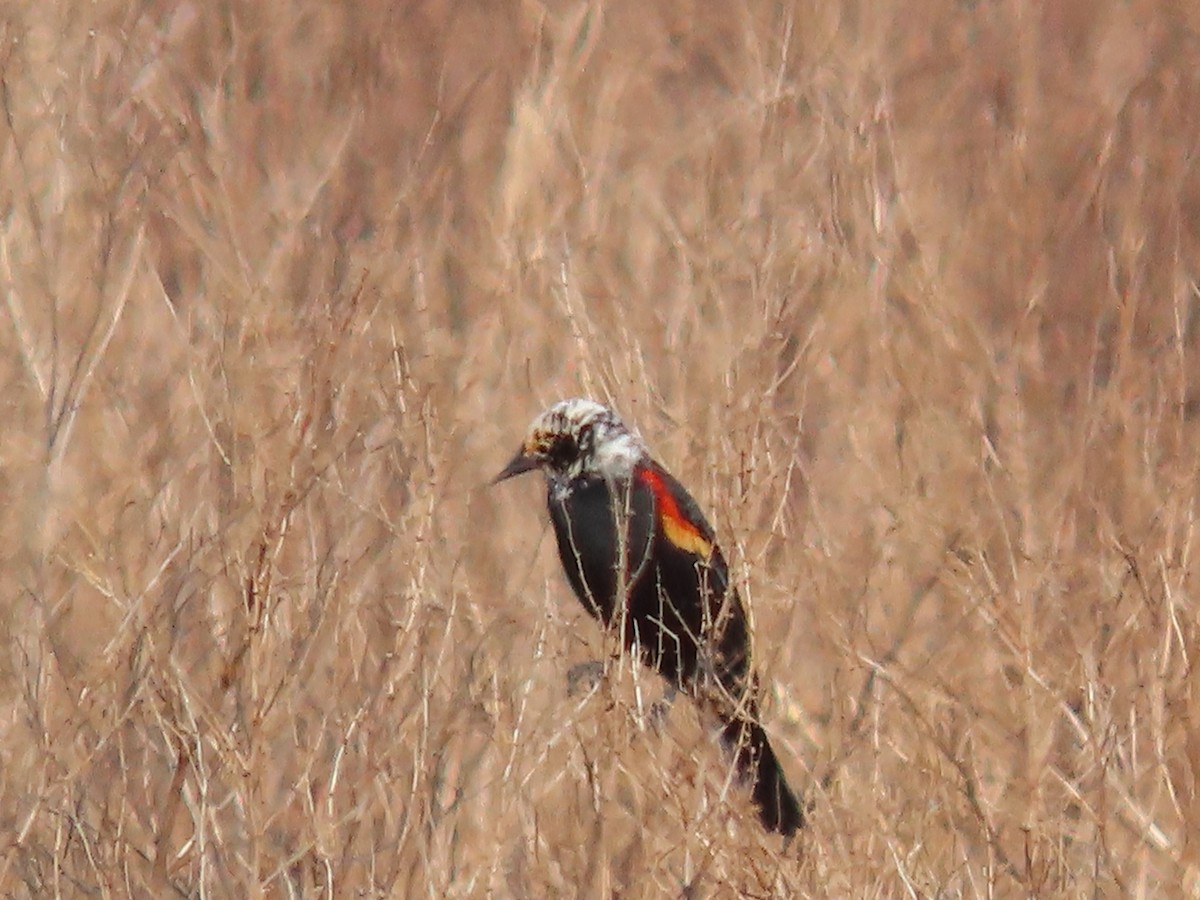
{"type": "Point", "coordinates": [608, 446]}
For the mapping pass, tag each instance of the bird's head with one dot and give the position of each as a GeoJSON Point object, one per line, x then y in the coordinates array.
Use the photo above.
{"type": "Point", "coordinates": [576, 438]}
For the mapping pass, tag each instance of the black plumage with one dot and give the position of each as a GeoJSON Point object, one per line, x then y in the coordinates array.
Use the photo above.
{"type": "Point", "coordinates": [642, 558]}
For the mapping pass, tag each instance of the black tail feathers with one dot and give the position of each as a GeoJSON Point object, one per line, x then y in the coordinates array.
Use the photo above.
{"type": "Point", "coordinates": [758, 765]}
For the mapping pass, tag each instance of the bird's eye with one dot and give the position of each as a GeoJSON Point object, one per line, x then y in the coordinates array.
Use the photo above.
{"type": "Point", "coordinates": [563, 451]}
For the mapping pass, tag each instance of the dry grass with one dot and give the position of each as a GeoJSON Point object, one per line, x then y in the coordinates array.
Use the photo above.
{"type": "Point", "coordinates": [909, 293]}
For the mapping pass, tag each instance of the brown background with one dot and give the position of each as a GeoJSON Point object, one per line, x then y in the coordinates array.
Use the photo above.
{"type": "Point", "coordinates": [907, 293]}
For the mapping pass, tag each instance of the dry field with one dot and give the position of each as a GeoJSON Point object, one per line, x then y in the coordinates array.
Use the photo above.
{"type": "Point", "coordinates": [906, 291]}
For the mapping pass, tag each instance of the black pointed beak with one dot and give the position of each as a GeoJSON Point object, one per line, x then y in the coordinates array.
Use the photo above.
{"type": "Point", "coordinates": [521, 463]}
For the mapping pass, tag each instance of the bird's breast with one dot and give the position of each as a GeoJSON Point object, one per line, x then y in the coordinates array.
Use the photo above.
{"type": "Point", "coordinates": [604, 534]}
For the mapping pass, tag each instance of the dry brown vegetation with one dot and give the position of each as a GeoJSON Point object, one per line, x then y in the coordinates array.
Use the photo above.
{"type": "Point", "coordinates": [907, 292]}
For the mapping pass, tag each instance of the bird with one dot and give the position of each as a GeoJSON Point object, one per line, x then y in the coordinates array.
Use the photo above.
{"type": "Point", "coordinates": [643, 560]}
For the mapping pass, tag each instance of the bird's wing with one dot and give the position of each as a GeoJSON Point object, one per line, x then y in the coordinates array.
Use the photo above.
{"type": "Point", "coordinates": [679, 518]}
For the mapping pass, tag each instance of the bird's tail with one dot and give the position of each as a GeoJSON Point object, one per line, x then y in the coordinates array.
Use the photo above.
{"type": "Point", "coordinates": [758, 765]}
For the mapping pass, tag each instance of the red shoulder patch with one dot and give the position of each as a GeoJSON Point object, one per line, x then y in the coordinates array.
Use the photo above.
{"type": "Point", "coordinates": [677, 528]}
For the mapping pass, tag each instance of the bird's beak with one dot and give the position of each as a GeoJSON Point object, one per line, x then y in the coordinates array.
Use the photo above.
{"type": "Point", "coordinates": [523, 462]}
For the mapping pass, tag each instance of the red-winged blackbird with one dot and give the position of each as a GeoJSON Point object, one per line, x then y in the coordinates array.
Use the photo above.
{"type": "Point", "coordinates": [642, 558]}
